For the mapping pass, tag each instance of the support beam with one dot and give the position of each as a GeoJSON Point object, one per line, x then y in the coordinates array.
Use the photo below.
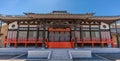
{"type": "Point", "coordinates": [70, 34]}
{"type": "Point", "coordinates": [117, 34]}
{"type": "Point", "coordinates": [0, 25]}
{"type": "Point", "coordinates": [38, 24]}
{"type": "Point", "coordinates": [48, 34]}
{"type": "Point", "coordinates": [110, 33]}
{"type": "Point", "coordinates": [75, 38]}
{"type": "Point", "coordinates": [90, 33]}
{"type": "Point", "coordinates": [100, 33]}
{"type": "Point", "coordinates": [43, 44]}
{"type": "Point", "coordinates": [43, 41]}
{"type": "Point", "coordinates": [81, 38]}
{"type": "Point", "coordinates": [18, 22]}
{"type": "Point", "coordinates": [27, 33]}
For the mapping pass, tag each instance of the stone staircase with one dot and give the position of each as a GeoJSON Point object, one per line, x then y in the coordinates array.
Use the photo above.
{"type": "Point", "coordinates": [60, 55]}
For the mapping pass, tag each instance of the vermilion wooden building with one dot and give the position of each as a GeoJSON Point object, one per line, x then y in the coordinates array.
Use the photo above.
{"type": "Point", "coordinates": [59, 29]}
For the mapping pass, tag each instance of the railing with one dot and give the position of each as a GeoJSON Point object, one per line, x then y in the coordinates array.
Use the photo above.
{"type": "Point", "coordinates": [21, 41]}
{"type": "Point", "coordinates": [46, 43]}
{"type": "Point", "coordinates": [9, 41]}
{"type": "Point", "coordinates": [72, 43]}
{"type": "Point", "coordinates": [96, 41]}
{"type": "Point", "coordinates": [68, 44]}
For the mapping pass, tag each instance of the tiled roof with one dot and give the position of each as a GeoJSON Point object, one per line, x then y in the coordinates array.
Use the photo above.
{"type": "Point", "coordinates": [55, 15]}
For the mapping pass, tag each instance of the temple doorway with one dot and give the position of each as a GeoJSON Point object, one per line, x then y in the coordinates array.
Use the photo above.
{"type": "Point", "coordinates": [59, 38]}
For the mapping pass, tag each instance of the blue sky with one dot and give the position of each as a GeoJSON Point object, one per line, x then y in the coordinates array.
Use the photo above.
{"type": "Point", "coordinates": [100, 7]}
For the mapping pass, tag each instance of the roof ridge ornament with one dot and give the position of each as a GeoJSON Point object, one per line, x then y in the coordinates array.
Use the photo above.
{"type": "Point", "coordinates": [29, 13]}
{"type": "Point", "coordinates": [59, 12]}
{"type": "Point", "coordinates": [90, 13]}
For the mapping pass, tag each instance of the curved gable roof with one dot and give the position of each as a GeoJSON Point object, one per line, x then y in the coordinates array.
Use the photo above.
{"type": "Point", "coordinates": [59, 15]}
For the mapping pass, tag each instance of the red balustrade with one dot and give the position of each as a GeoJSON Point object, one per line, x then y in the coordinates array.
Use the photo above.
{"type": "Point", "coordinates": [96, 41]}
{"type": "Point", "coordinates": [22, 41]}
{"type": "Point", "coordinates": [59, 44]}
{"type": "Point", "coordinates": [72, 43]}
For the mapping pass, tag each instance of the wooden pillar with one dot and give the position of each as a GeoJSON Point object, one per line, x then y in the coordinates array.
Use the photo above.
{"type": "Point", "coordinates": [27, 34]}
{"type": "Point", "coordinates": [110, 34]}
{"type": "Point", "coordinates": [38, 24]}
{"type": "Point", "coordinates": [1, 30]}
{"type": "Point", "coordinates": [70, 34]}
{"type": "Point", "coordinates": [90, 34]}
{"type": "Point", "coordinates": [100, 33]}
{"type": "Point", "coordinates": [117, 34]}
{"type": "Point", "coordinates": [43, 44]}
{"type": "Point", "coordinates": [81, 38]}
{"type": "Point", "coordinates": [48, 34]}
{"type": "Point", "coordinates": [75, 38]}
{"type": "Point", "coordinates": [18, 22]}
{"type": "Point", "coordinates": [43, 41]}
{"type": "Point", "coordinates": [0, 25]}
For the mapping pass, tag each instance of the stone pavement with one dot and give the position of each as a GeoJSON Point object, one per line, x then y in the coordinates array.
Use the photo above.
{"type": "Point", "coordinates": [94, 50]}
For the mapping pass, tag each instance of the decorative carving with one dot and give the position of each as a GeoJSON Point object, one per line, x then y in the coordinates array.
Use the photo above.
{"type": "Point", "coordinates": [26, 22]}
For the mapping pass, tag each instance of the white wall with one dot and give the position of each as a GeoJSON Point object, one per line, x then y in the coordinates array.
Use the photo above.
{"type": "Point", "coordinates": [14, 23]}
{"type": "Point", "coordinates": [16, 26]}
{"type": "Point", "coordinates": [101, 26]}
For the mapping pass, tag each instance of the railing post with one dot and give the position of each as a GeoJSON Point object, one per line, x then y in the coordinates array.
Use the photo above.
{"type": "Point", "coordinates": [5, 42]}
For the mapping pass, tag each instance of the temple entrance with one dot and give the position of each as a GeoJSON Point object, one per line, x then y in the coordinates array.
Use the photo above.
{"type": "Point", "coordinates": [59, 38]}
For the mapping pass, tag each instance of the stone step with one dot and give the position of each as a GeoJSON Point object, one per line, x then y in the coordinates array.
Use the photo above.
{"type": "Point", "coordinates": [60, 54]}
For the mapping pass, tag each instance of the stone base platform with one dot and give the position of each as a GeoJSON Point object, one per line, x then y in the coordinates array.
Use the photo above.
{"type": "Point", "coordinates": [39, 54]}
{"type": "Point", "coordinates": [80, 54]}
